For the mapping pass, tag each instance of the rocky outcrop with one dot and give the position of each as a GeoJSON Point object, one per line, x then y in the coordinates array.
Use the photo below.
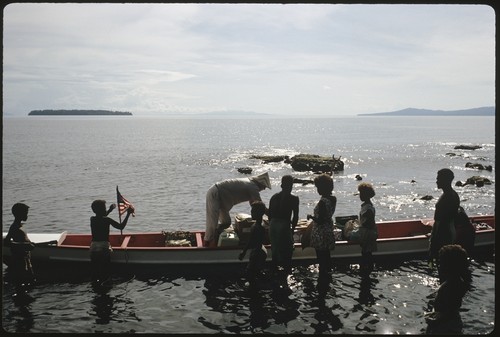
{"type": "Point", "coordinates": [474, 180]}
{"type": "Point", "coordinates": [245, 170]}
{"type": "Point", "coordinates": [479, 166]}
{"type": "Point", "coordinates": [271, 159]}
{"type": "Point", "coordinates": [316, 163]}
{"type": "Point", "coordinates": [307, 162]}
{"type": "Point", "coordinates": [467, 147]}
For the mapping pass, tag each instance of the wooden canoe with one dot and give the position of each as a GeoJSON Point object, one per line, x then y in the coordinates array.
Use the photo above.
{"type": "Point", "coordinates": [399, 239]}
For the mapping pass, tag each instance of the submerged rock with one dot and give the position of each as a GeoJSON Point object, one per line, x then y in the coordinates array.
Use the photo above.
{"type": "Point", "coordinates": [303, 181]}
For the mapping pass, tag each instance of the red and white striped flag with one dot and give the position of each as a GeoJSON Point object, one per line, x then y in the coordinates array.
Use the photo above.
{"type": "Point", "coordinates": [123, 204]}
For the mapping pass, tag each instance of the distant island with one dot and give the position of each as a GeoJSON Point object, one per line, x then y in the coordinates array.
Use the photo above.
{"type": "Point", "coordinates": [483, 111]}
{"type": "Point", "coordinates": [78, 113]}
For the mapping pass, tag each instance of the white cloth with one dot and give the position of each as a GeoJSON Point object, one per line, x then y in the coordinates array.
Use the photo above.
{"type": "Point", "coordinates": [263, 179]}
{"type": "Point", "coordinates": [221, 197]}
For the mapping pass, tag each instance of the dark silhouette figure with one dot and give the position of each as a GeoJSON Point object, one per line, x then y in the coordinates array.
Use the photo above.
{"type": "Point", "coordinates": [221, 198]}
{"type": "Point", "coordinates": [258, 252]}
{"type": "Point", "coordinates": [322, 237]}
{"type": "Point", "coordinates": [100, 248]}
{"type": "Point", "coordinates": [20, 247]}
{"type": "Point", "coordinates": [283, 217]}
{"type": "Point", "coordinates": [368, 233]}
{"type": "Point", "coordinates": [465, 230]}
{"type": "Point", "coordinates": [443, 230]}
{"type": "Point", "coordinates": [453, 268]}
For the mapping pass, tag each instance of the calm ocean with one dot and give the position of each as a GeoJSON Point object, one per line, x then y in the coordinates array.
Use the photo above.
{"type": "Point", "coordinates": [164, 166]}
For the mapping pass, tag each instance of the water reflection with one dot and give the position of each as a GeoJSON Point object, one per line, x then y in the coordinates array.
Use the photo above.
{"type": "Point", "coordinates": [284, 309]}
{"type": "Point", "coordinates": [102, 305]}
{"type": "Point", "coordinates": [21, 312]}
{"type": "Point", "coordinates": [111, 303]}
{"type": "Point", "coordinates": [327, 321]}
{"type": "Point", "coordinates": [391, 301]}
{"type": "Point", "coordinates": [365, 290]}
{"type": "Point", "coordinates": [17, 309]}
{"type": "Point", "coordinates": [369, 319]}
{"type": "Point", "coordinates": [256, 308]}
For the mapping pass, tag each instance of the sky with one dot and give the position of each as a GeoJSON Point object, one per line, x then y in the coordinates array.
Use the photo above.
{"type": "Point", "coordinates": [293, 59]}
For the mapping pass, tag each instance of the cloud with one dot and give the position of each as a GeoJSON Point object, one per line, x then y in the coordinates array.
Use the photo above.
{"type": "Point", "coordinates": [260, 57]}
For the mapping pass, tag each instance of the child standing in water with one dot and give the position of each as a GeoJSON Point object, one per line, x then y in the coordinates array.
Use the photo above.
{"type": "Point", "coordinates": [453, 267]}
{"type": "Point", "coordinates": [368, 233]}
{"type": "Point", "coordinates": [20, 247]}
{"type": "Point", "coordinates": [258, 252]}
{"type": "Point", "coordinates": [100, 248]}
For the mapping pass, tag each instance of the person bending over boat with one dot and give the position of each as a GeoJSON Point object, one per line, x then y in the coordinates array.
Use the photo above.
{"type": "Point", "coordinates": [222, 196]}
{"type": "Point", "coordinates": [100, 248]}
{"type": "Point", "coordinates": [20, 247]}
{"type": "Point", "coordinates": [368, 233]}
{"type": "Point", "coordinates": [282, 225]}
{"type": "Point", "coordinates": [258, 252]}
{"type": "Point", "coordinates": [322, 237]}
{"type": "Point", "coordinates": [443, 230]}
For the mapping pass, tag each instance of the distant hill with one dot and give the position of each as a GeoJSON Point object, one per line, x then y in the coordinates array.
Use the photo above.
{"type": "Point", "coordinates": [483, 111]}
{"type": "Point", "coordinates": [78, 113]}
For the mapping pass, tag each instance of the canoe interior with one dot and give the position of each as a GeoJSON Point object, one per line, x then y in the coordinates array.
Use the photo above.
{"type": "Point", "coordinates": [386, 230]}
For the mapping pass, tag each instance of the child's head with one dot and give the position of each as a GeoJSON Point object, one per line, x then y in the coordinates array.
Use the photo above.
{"type": "Point", "coordinates": [444, 178]}
{"type": "Point", "coordinates": [258, 210]}
{"type": "Point", "coordinates": [324, 184]}
{"type": "Point", "coordinates": [366, 191]}
{"type": "Point", "coordinates": [287, 183]}
{"type": "Point", "coordinates": [453, 260]}
{"type": "Point", "coordinates": [20, 211]}
{"type": "Point", "coordinates": [99, 207]}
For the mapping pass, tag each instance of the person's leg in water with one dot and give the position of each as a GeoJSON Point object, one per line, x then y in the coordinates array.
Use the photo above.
{"type": "Point", "coordinates": [366, 262]}
{"type": "Point", "coordinates": [324, 261]}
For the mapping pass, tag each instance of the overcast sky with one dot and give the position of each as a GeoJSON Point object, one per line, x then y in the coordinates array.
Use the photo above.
{"type": "Point", "coordinates": [280, 59]}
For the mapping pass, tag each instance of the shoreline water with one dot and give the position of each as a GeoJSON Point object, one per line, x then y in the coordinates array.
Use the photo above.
{"type": "Point", "coordinates": [58, 166]}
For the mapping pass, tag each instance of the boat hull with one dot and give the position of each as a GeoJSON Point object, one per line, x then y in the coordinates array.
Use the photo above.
{"type": "Point", "coordinates": [148, 250]}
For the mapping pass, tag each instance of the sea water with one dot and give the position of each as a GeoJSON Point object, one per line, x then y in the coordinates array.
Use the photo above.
{"type": "Point", "coordinates": [164, 166]}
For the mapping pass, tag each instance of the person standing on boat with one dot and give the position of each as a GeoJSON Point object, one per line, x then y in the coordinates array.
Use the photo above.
{"type": "Point", "coordinates": [368, 233]}
{"type": "Point", "coordinates": [283, 217]}
{"type": "Point", "coordinates": [322, 237]}
{"type": "Point", "coordinates": [258, 252]}
{"type": "Point", "coordinates": [100, 248]}
{"type": "Point", "coordinates": [20, 247]}
{"type": "Point", "coordinates": [222, 196]}
{"type": "Point", "coordinates": [443, 229]}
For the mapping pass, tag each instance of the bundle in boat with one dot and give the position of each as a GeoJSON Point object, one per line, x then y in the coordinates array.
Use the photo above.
{"type": "Point", "coordinates": [179, 239]}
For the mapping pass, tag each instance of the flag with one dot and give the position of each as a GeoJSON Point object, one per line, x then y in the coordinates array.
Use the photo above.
{"type": "Point", "coordinates": [123, 204]}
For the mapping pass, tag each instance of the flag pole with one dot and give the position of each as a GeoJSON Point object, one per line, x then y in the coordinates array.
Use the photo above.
{"type": "Point", "coordinates": [118, 206]}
